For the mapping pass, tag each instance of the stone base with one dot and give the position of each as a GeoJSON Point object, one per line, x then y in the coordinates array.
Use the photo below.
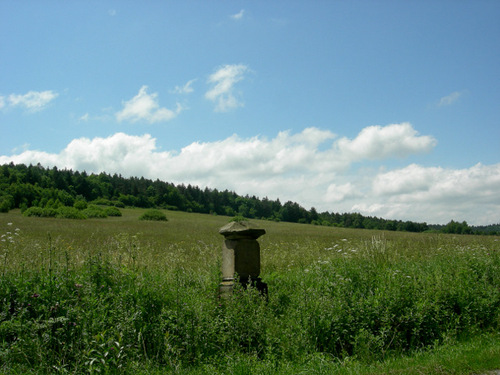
{"type": "Point", "coordinates": [226, 287]}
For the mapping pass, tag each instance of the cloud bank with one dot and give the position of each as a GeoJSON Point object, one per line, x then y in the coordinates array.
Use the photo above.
{"type": "Point", "coordinates": [469, 194]}
{"type": "Point", "coordinates": [314, 168]}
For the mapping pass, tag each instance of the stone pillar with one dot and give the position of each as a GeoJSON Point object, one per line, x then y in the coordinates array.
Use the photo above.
{"type": "Point", "coordinates": [241, 256]}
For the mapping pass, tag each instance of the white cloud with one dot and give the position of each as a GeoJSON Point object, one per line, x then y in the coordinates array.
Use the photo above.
{"type": "Point", "coordinates": [380, 142]}
{"type": "Point", "coordinates": [145, 107]}
{"type": "Point", "coordinates": [450, 99]}
{"type": "Point", "coordinates": [310, 167]}
{"type": "Point", "coordinates": [408, 180]}
{"type": "Point", "coordinates": [439, 194]}
{"type": "Point", "coordinates": [186, 89]}
{"type": "Point", "coordinates": [223, 81]}
{"type": "Point", "coordinates": [238, 16]}
{"type": "Point", "coordinates": [33, 100]}
{"type": "Point", "coordinates": [338, 193]}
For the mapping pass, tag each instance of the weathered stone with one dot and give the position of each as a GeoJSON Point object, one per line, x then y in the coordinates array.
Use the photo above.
{"type": "Point", "coordinates": [241, 229]}
{"type": "Point", "coordinates": [240, 255]}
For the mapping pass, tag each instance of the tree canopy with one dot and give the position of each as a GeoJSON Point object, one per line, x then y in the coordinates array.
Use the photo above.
{"type": "Point", "coordinates": [24, 186]}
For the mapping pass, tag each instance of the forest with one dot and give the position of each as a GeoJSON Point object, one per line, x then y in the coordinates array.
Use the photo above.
{"type": "Point", "coordinates": [24, 186]}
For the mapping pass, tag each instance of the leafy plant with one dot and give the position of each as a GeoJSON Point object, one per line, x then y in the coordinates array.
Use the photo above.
{"type": "Point", "coordinates": [94, 211]}
{"type": "Point", "coordinates": [80, 204]}
{"type": "Point", "coordinates": [112, 211]}
{"type": "Point", "coordinates": [155, 215]}
{"type": "Point", "coordinates": [40, 212]}
{"type": "Point", "coordinates": [70, 213]}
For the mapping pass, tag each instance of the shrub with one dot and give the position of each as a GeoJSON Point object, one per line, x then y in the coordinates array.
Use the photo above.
{"type": "Point", "coordinates": [70, 213]}
{"type": "Point", "coordinates": [102, 202]}
{"type": "Point", "coordinates": [80, 205]}
{"type": "Point", "coordinates": [153, 214]}
{"type": "Point", "coordinates": [118, 204]}
{"type": "Point", "coordinates": [94, 211]}
{"type": "Point", "coordinates": [6, 203]}
{"type": "Point", "coordinates": [112, 211]}
{"type": "Point", "coordinates": [237, 219]}
{"type": "Point", "coordinates": [40, 212]}
{"type": "Point", "coordinates": [107, 202]}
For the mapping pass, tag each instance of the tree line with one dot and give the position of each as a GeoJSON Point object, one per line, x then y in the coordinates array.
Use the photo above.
{"type": "Point", "coordinates": [24, 186]}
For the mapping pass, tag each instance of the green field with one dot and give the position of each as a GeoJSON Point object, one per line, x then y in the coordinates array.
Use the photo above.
{"type": "Point", "coordinates": [120, 295]}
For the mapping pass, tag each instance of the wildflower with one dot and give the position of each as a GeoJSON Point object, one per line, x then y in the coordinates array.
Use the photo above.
{"type": "Point", "coordinates": [9, 224]}
{"type": "Point", "coordinates": [35, 295]}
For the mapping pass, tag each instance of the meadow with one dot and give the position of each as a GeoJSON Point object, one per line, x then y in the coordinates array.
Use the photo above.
{"type": "Point", "coordinates": [120, 295]}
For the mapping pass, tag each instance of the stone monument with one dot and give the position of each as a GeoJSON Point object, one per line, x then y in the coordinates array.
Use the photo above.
{"type": "Point", "coordinates": [241, 256]}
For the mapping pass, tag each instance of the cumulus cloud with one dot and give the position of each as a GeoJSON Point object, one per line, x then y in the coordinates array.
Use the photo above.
{"type": "Point", "coordinates": [222, 92]}
{"type": "Point", "coordinates": [145, 107]}
{"type": "Point", "coordinates": [450, 99]}
{"type": "Point", "coordinates": [258, 157]}
{"type": "Point", "coordinates": [439, 194]}
{"type": "Point", "coordinates": [32, 101]}
{"type": "Point", "coordinates": [311, 167]}
{"type": "Point", "coordinates": [380, 142]}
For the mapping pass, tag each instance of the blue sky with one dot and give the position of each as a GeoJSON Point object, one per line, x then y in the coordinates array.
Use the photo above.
{"type": "Point", "coordinates": [388, 108]}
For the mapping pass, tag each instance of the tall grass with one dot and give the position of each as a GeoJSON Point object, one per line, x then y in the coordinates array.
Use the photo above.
{"type": "Point", "coordinates": [117, 295]}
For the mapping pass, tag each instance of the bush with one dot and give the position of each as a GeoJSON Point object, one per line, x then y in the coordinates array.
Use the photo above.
{"type": "Point", "coordinates": [237, 219]}
{"type": "Point", "coordinates": [112, 211]}
{"type": "Point", "coordinates": [80, 205]}
{"type": "Point", "coordinates": [6, 203]}
{"type": "Point", "coordinates": [102, 202]}
{"type": "Point", "coordinates": [152, 214]}
{"type": "Point", "coordinates": [94, 211]}
{"type": "Point", "coordinates": [107, 202]}
{"type": "Point", "coordinates": [118, 204]}
{"type": "Point", "coordinates": [40, 212]}
{"type": "Point", "coordinates": [70, 213]}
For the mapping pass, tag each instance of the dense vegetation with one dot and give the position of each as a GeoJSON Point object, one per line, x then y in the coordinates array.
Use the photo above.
{"type": "Point", "coordinates": [24, 186]}
{"type": "Point", "coordinates": [123, 295]}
